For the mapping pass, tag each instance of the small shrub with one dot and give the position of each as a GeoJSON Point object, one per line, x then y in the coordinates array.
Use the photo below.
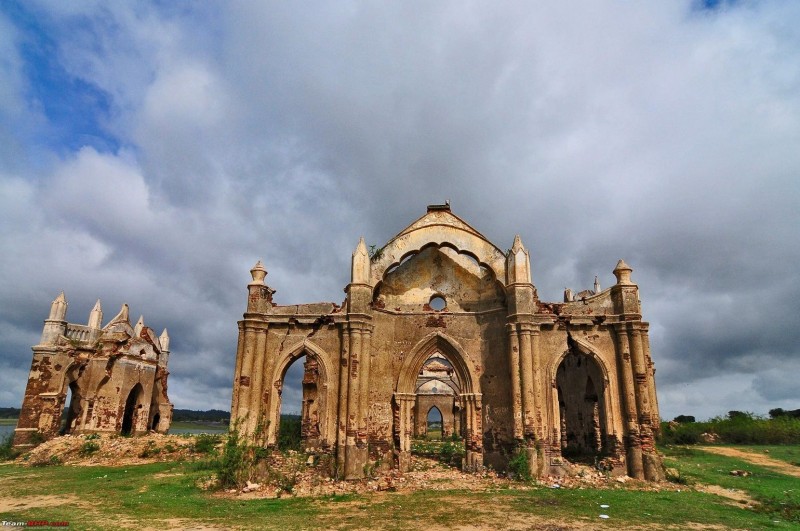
{"type": "Point", "coordinates": [7, 452]}
{"type": "Point", "coordinates": [233, 466]}
{"type": "Point", "coordinates": [150, 450]}
{"type": "Point", "coordinates": [519, 465]}
{"type": "Point", "coordinates": [206, 444]}
{"type": "Point", "coordinates": [88, 448]}
{"type": "Point", "coordinates": [289, 433]}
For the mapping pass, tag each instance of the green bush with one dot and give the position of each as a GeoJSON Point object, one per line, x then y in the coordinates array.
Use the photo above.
{"type": "Point", "coordinates": [206, 443]}
{"type": "Point", "coordinates": [519, 465]}
{"type": "Point", "coordinates": [234, 465]}
{"type": "Point", "coordinates": [7, 452]}
{"type": "Point", "coordinates": [737, 428]}
{"type": "Point", "coordinates": [289, 432]}
{"type": "Point", "coordinates": [88, 448]}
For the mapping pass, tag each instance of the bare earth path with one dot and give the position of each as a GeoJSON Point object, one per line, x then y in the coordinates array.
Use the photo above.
{"type": "Point", "coordinates": [754, 457]}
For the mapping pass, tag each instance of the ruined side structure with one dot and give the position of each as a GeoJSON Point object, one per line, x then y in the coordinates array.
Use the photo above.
{"type": "Point", "coordinates": [116, 377]}
{"type": "Point", "coordinates": [557, 381]}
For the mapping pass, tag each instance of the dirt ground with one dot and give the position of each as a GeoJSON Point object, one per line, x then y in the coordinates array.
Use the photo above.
{"type": "Point", "coordinates": [755, 457]}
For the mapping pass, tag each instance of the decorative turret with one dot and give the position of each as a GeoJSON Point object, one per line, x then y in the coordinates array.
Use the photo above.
{"type": "Point", "coordinates": [596, 285]}
{"type": "Point", "coordinates": [519, 264]}
{"type": "Point", "coordinates": [260, 299]}
{"type": "Point", "coordinates": [359, 291]}
{"type": "Point", "coordinates": [96, 316]}
{"type": "Point", "coordinates": [55, 325]}
{"type": "Point", "coordinates": [360, 264]}
{"type": "Point", "coordinates": [258, 273]}
{"type": "Point", "coordinates": [522, 294]}
{"type": "Point", "coordinates": [568, 295]}
{"type": "Point", "coordinates": [623, 273]}
{"type": "Point", "coordinates": [58, 308]}
{"type": "Point", "coordinates": [163, 341]}
{"type": "Point", "coordinates": [137, 330]}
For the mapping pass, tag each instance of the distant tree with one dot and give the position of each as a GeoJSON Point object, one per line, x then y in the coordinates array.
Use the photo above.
{"type": "Point", "coordinates": [739, 415]}
{"type": "Point", "coordinates": [780, 412]}
{"type": "Point", "coordinates": [683, 419]}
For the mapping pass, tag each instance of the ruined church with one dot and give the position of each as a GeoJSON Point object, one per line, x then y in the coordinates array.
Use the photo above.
{"type": "Point", "coordinates": [93, 378]}
{"type": "Point", "coordinates": [439, 317]}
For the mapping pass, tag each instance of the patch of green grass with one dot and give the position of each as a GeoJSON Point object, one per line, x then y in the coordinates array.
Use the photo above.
{"type": "Point", "coordinates": [8, 422]}
{"type": "Point", "coordinates": [779, 494]}
{"type": "Point", "coordinates": [150, 494]}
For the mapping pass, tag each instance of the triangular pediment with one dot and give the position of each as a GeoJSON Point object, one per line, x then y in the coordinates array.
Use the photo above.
{"type": "Point", "coordinates": [438, 218]}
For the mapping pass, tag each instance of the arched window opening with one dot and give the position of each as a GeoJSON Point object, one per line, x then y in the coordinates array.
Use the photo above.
{"type": "Point", "coordinates": [132, 405]}
{"type": "Point", "coordinates": [434, 427]}
{"type": "Point", "coordinates": [71, 414]}
{"type": "Point", "coordinates": [290, 407]}
{"type": "Point", "coordinates": [579, 382]}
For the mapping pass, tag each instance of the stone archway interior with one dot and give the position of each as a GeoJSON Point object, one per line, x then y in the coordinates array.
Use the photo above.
{"type": "Point", "coordinates": [579, 383]}
{"type": "Point", "coordinates": [438, 387]}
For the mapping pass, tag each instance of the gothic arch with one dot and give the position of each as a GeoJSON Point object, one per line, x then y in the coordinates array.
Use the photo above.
{"type": "Point", "coordinates": [467, 375]}
{"type": "Point", "coordinates": [470, 397]}
{"type": "Point", "coordinates": [275, 385]}
{"type": "Point", "coordinates": [457, 238]}
{"type": "Point", "coordinates": [608, 384]}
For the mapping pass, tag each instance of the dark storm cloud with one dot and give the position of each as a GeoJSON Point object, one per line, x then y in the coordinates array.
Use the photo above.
{"type": "Point", "coordinates": [663, 133]}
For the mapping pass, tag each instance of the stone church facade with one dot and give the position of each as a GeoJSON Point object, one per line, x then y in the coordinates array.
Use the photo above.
{"type": "Point", "coordinates": [553, 380]}
{"type": "Point", "coordinates": [93, 378]}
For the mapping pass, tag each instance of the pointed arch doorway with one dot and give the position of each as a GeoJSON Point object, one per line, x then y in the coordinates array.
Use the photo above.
{"type": "Point", "coordinates": [466, 399]}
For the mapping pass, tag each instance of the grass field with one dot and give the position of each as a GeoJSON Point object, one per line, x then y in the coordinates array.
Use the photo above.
{"type": "Point", "coordinates": [166, 495]}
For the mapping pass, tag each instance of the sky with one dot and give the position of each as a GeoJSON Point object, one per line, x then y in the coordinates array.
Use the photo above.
{"type": "Point", "coordinates": [152, 152]}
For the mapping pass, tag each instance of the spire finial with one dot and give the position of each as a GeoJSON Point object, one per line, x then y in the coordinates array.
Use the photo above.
{"type": "Point", "coordinates": [164, 340]}
{"type": "Point", "coordinates": [137, 330]}
{"type": "Point", "coordinates": [96, 316]}
{"type": "Point", "coordinates": [596, 285]}
{"type": "Point", "coordinates": [517, 246]}
{"type": "Point", "coordinates": [58, 308]}
{"type": "Point", "coordinates": [360, 265]}
{"type": "Point", "coordinates": [258, 273]}
{"type": "Point", "coordinates": [623, 272]}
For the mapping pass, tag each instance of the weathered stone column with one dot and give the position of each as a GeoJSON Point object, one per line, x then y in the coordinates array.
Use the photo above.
{"type": "Point", "coordinates": [257, 413]}
{"type": "Point", "coordinates": [653, 470]}
{"type": "Point", "coordinates": [526, 359]}
{"type": "Point", "coordinates": [654, 411]}
{"type": "Point", "coordinates": [352, 467]}
{"type": "Point", "coordinates": [633, 442]}
{"type": "Point", "coordinates": [516, 382]}
{"type": "Point", "coordinates": [245, 377]}
{"type": "Point", "coordinates": [363, 407]}
{"type": "Point", "coordinates": [539, 401]}
{"type": "Point", "coordinates": [473, 441]}
{"type": "Point", "coordinates": [341, 421]}
{"type": "Point", "coordinates": [405, 404]}
{"type": "Point", "coordinates": [237, 372]}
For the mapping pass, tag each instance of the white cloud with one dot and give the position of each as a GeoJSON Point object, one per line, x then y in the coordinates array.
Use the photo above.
{"type": "Point", "coordinates": [655, 132]}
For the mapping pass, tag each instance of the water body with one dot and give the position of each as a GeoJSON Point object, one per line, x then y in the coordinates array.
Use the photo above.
{"type": "Point", "coordinates": [6, 430]}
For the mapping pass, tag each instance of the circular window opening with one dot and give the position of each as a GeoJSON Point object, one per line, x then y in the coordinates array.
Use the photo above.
{"type": "Point", "coordinates": [437, 303]}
